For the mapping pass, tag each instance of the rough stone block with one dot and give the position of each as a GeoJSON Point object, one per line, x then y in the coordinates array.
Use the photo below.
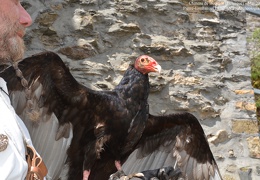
{"type": "Point", "coordinates": [254, 147]}
{"type": "Point", "coordinates": [249, 106]}
{"type": "Point", "coordinates": [220, 137]}
{"type": "Point", "coordinates": [244, 91]}
{"type": "Point", "coordinates": [244, 126]}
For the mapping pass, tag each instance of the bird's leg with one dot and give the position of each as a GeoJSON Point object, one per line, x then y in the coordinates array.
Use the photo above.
{"type": "Point", "coordinates": [118, 165]}
{"type": "Point", "coordinates": [89, 160]}
{"type": "Point", "coordinates": [86, 174]}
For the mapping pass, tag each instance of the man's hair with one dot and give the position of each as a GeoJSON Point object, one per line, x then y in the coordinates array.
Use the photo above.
{"type": "Point", "coordinates": [31, 113]}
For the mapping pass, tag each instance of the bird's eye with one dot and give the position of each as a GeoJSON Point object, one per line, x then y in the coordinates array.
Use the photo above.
{"type": "Point", "coordinates": [142, 60]}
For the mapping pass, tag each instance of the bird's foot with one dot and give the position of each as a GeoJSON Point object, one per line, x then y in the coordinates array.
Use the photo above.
{"type": "Point", "coordinates": [86, 174]}
{"type": "Point", "coordinates": [119, 175]}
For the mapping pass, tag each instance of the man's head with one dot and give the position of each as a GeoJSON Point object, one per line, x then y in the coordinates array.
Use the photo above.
{"type": "Point", "coordinates": [13, 21]}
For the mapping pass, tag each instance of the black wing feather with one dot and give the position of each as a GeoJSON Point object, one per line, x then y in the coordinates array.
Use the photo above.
{"type": "Point", "coordinates": [180, 141]}
{"type": "Point", "coordinates": [61, 102]}
{"type": "Point", "coordinates": [59, 88]}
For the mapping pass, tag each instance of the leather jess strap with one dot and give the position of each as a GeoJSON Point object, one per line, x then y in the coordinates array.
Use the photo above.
{"type": "Point", "coordinates": [36, 167]}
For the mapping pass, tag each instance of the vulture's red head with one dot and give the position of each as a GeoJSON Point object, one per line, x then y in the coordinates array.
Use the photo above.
{"type": "Point", "coordinates": [146, 64]}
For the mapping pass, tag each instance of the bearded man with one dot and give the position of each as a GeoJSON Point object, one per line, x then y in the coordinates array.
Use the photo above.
{"type": "Point", "coordinates": [14, 136]}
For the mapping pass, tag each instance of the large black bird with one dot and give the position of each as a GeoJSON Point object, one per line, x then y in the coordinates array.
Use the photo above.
{"type": "Point", "coordinates": [107, 125]}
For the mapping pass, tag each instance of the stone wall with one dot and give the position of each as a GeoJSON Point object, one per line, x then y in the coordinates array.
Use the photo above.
{"type": "Point", "coordinates": [201, 46]}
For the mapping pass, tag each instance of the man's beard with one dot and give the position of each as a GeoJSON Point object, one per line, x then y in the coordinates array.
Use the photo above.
{"type": "Point", "coordinates": [11, 45]}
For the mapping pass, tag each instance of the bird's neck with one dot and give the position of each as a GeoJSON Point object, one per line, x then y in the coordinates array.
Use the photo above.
{"type": "Point", "coordinates": [134, 85]}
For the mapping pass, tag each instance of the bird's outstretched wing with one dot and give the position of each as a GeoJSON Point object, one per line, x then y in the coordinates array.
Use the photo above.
{"type": "Point", "coordinates": [56, 97]}
{"type": "Point", "coordinates": [176, 140]}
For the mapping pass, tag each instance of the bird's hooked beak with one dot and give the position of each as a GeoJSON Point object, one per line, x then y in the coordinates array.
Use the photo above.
{"type": "Point", "coordinates": [157, 68]}
{"type": "Point", "coordinates": [153, 65]}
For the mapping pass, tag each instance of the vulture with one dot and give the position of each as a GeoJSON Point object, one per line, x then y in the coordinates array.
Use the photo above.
{"type": "Point", "coordinates": [83, 133]}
